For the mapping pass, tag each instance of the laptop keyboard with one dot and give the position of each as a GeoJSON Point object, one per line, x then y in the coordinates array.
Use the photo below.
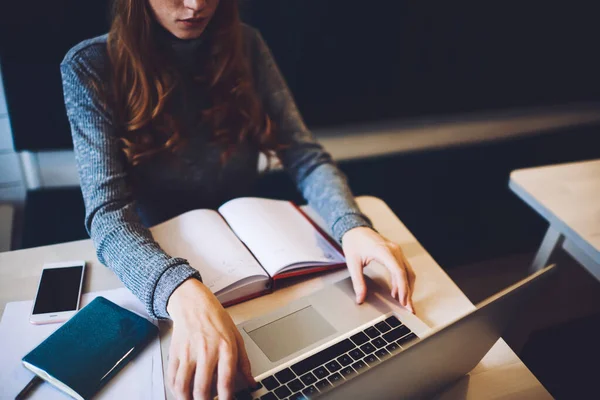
{"type": "Point", "coordinates": [333, 365]}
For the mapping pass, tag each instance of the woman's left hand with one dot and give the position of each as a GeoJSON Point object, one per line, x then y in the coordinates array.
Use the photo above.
{"type": "Point", "coordinates": [361, 246]}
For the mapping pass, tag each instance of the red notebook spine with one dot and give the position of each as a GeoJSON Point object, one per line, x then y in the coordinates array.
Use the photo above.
{"type": "Point", "coordinates": [307, 271]}
{"type": "Point", "coordinates": [249, 297]}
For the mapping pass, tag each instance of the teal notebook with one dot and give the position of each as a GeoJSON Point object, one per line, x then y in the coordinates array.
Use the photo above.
{"type": "Point", "coordinates": [90, 348]}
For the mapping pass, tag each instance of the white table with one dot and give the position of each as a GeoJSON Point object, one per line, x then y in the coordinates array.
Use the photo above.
{"type": "Point", "coordinates": [501, 374]}
{"type": "Point", "coordinates": [568, 196]}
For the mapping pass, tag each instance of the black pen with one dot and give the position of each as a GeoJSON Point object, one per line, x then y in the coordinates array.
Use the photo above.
{"type": "Point", "coordinates": [29, 387]}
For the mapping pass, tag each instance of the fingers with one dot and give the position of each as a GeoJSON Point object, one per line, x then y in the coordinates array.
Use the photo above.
{"type": "Point", "coordinates": [183, 379]}
{"type": "Point", "coordinates": [404, 294]}
{"type": "Point", "coordinates": [412, 277]}
{"type": "Point", "coordinates": [358, 280]}
{"type": "Point", "coordinates": [228, 361]}
{"type": "Point", "coordinates": [399, 254]}
{"type": "Point", "coordinates": [393, 259]}
{"type": "Point", "coordinates": [394, 292]}
{"type": "Point", "coordinates": [244, 361]}
{"type": "Point", "coordinates": [172, 366]}
{"type": "Point", "coordinates": [205, 369]}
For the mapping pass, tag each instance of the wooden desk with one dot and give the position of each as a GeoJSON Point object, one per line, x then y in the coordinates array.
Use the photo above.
{"type": "Point", "coordinates": [568, 196]}
{"type": "Point", "coordinates": [437, 301]}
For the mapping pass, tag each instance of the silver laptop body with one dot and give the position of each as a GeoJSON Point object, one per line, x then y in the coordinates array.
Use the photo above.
{"type": "Point", "coordinates": [326, 346]}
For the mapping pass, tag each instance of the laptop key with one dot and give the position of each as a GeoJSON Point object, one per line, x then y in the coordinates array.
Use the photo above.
{"type": "Point", "coordinates": [282, 392]}
{"type": "Point", "coordinates": [310, 391]}
{"type": "Point", "coordinates": [345, 360]}
{"type": "Point", "coordinates": [396, 333]}
{"type": "Point", "coordinates": [371, 359]}
{"type": "Point", "coordinates": [296, 385]}
{"type": "Point", "coordinates": [321, 372]}
{"type": "Point", "coordinates": [335, 379]}
{"type": "Point", "coordinates": [346, 372]}
{"type": "Point", "coordinates": [285, 375]}
{"type": "Point", "coordinates": [382, 354]}
{"type": "Point", "coordinates": [393, 347]}
{"type": "Point", "coordinates": [298, 396]}
{"type": "Point", "coordinates": [270, 383]}
{"type": "Point", "coordinates": [359, 365]}
{"type": "Point", "coordinates": [393, 321]}
{"type": "Point", "coordinates": [367, 348]}
{"type": "Point", "coordinates": [256, 387]}
{"type": "Point", "coordinates": [378, 342]}
{"type": "Point", "coordinates": [330, 353]}
{"type": "Point", "coordinates": [333, 366]}
{"type": "Point", "coordinates": [382, 327]}
{"type": "Point", "coordinates": [308, 379]}
{"type": "Point", "coordinates": [269, 396]}
{"type": "Point", "coordinates": [359, 338]}
{"type": "Point", "coordinates": [408, 338]}
{"type": "Point", "coordinates": [322, 385]}
{"type": "Point", "coordinates": [356, 354]}
{"type": "Point", "coordinates": [371, 332]}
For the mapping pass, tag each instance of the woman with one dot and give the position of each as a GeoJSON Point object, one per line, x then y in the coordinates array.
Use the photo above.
{"type": "Point", "coordinates": [169, 112]}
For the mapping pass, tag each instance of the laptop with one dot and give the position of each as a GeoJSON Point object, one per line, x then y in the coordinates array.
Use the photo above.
{"type": "Point", "coordinates": [325, 346]}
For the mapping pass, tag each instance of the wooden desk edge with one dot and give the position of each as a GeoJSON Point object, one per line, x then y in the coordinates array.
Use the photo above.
{"type": "Point", "coordinates": [554, 221]}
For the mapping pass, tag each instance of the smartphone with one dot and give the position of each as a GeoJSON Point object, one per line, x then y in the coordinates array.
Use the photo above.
{"type": "Point", "coordinates": [59, 292]}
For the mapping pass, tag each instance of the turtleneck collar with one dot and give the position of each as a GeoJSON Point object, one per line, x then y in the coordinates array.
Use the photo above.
{"type": "Point", "coordinates": [186, 51]}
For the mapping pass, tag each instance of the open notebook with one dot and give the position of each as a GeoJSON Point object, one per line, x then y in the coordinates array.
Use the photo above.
{"type": "Point", "coordinates": [247, 245]}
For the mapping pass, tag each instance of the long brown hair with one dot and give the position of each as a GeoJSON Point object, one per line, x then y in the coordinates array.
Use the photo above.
{"type": "Point", "coordinates": [142, 85]}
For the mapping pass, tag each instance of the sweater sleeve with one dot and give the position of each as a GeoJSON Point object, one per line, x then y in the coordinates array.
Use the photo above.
{"type": "Point", "coordinates": [122, 242]}
{"type": "Point", "coordinates": [315, 174]}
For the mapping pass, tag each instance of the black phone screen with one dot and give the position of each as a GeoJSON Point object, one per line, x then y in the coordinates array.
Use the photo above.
{"type": "Point", "coordinates": [59, 290]}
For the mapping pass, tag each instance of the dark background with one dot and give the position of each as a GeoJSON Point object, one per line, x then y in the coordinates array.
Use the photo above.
{"type": "Point", "coordinates": [346, 61]}
{"type": "Point", "coordinates": [359, 62]}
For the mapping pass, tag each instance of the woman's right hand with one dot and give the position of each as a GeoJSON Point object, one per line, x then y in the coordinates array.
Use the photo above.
{"type": "Point", "coordinates": [205, 345]}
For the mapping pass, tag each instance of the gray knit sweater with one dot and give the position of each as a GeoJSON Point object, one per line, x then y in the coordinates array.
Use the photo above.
{"type": "Point", "coordinates": [122, 201]}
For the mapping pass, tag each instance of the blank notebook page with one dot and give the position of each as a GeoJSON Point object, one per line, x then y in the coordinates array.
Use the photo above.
{"type": "Point", "coordinates": [278, 234]}
{"type": "Point", "coordinates": [203, 238]}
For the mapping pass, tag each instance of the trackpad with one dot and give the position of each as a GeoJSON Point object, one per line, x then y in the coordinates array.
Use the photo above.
{"type": "Point", "coordinates": [287, 335]}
